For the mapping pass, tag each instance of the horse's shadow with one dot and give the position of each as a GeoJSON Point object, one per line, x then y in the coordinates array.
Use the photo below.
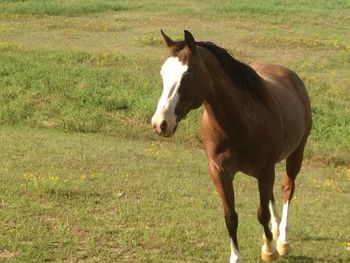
{"type": "Point", "coordinates": [302, 259]}
{"type": "Point", "coordinates": [306, 259]}
{"type": "Point", "coordinates": [311, 238]}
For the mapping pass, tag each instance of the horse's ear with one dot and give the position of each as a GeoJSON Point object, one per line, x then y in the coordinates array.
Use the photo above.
{"type": "Point", "coordinates": [190, 42]}
{"type": "Point", "coordinates": [168, 41]}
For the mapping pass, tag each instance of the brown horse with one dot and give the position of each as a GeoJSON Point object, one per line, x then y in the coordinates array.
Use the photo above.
{"type": "Point", "coordinates": [254, 117]}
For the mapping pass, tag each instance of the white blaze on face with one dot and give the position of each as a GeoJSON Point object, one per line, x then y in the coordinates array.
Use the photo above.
{"type": "Point", "coordinates": [172, 72]}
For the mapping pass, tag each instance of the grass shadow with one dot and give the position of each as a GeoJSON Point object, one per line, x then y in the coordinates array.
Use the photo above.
{"type": "Point", "coordinates": [306, 259]}
{"type": "Point", "coordinates": [302, 259]}
{"type": "Point", "coordinates": [72, 194]}
{"type": "Point", "coordinates": [312, 238]}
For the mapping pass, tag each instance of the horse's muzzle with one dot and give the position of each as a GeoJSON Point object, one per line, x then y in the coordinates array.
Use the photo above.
{"type": "Point", "coordinates": [164, 130]}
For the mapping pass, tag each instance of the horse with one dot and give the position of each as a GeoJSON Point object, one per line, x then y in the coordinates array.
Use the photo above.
{"type": "Point", "coordinates": [254, 117]}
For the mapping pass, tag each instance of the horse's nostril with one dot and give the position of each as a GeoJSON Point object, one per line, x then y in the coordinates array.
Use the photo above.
{"type": "Point", "coordinates": [163, 126]}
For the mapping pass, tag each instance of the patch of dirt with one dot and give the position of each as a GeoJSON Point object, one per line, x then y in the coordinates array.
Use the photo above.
{"type": "Point", "coordinates": [7, 254]}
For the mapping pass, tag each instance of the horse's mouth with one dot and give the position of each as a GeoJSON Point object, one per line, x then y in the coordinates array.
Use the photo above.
{"type": "Point", "coordinates": [166, 133]}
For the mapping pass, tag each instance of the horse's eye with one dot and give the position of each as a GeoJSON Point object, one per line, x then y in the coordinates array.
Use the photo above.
{"type": "Point", "coordinates": [190, 73]}
{"type": "Point", "coordinates": [188, 76]}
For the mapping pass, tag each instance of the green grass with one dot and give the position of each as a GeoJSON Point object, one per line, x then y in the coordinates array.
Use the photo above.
{"type": "Point", "coordinates": [71, 197]}
{"type": "Point", "coordinates": [59, 8]}
{"type": "Point", "coordinates": [73, 91]}
{"type": "Point", "coordinates": [84, 177]}
{"type": "Point", "coordinates": [90, 72]}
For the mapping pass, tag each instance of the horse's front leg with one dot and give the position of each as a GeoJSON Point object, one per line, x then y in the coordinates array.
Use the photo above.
{"type": "Point", "coordinates": [266, 179]}
{"type": "Point", "coordinates": [224, 185]}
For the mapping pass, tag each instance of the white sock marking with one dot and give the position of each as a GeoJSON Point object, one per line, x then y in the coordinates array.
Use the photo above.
{"type": "Point", "coordinates": [235, 256]}
{"type": "Point", "coordinates": [283, 237]}
{"type": "Point", "coordinates": [274, 219]}
{"type": "Point", "coordinates": [268, 247]}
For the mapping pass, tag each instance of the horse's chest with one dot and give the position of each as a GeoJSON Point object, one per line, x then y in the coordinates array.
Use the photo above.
{"type": "Point", "coordinates": [229, 153]}
{"type": "Point", "coordinates": [233, 159]}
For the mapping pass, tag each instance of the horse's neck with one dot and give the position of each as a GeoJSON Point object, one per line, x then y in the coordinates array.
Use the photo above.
{"type": "Point", "coordinates": [225, 106]}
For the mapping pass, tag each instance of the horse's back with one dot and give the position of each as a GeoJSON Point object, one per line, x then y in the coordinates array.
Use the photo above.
{"type": "Point", "coordinates": [284, 78]}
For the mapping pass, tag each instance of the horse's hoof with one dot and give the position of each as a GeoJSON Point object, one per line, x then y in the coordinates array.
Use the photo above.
{"type": "Point", "coordinates": [267, 257]}
{"type": "Point", "coordinates": [283, 248]}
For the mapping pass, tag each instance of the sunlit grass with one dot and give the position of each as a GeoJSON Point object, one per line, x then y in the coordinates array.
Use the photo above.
{"type": "Point", "coordinates": [91, 73]}
{"type": "Point", "coordinates": [122, 194]}
{"type": "Point", "coordinates": [59, 8]}
{"type": "Point", "coordinates": [69, 197]}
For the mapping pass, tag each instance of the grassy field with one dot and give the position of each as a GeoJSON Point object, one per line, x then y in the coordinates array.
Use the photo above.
{"type": "Point", "coordinates": [82, 197]}
{"type": "Point", "coordinates": [84, 177]}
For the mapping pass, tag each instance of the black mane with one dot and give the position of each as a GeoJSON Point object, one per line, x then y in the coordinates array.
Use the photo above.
{"type": "Point", "coordinates": [242, 75]}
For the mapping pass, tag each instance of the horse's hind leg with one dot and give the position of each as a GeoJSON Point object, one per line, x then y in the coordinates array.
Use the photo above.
{"type": "Point", "coordinates": [294, 162]}
{"type": "Point", "coordinates": [265, 181]}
